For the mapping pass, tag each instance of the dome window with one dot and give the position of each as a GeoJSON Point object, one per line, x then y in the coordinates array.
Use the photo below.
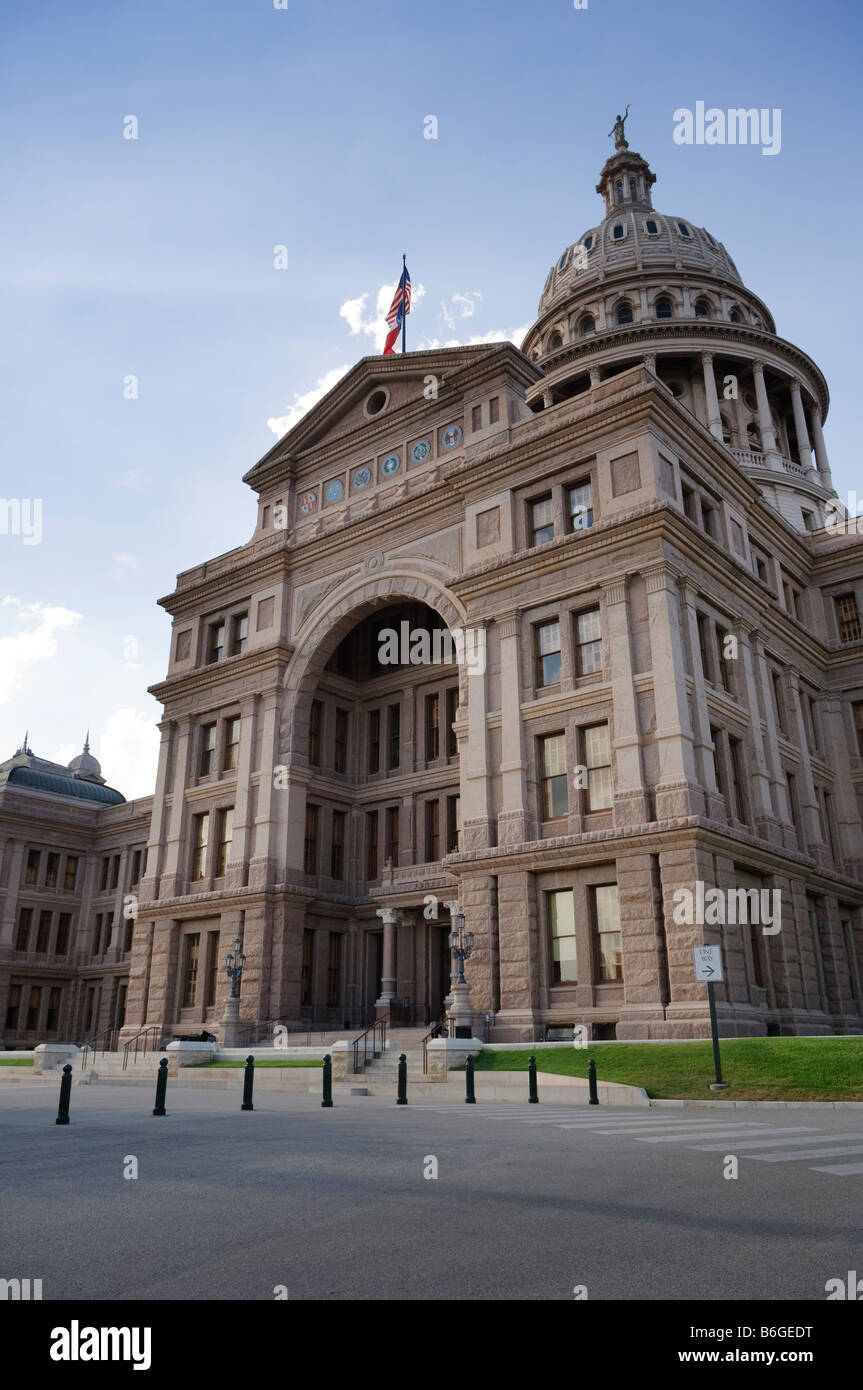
{"type": "Point", "coordinates": [652, 227]}
{"type": "Point", "coordinates": [735, 315]}
{"type": "Point", "coordinates": [633, 191]}
{"type": "Point", "coordinates": [618, 231]}
{"type": "Point", "coordinates": [618, 192]}
{"type": "Point", "coordinates": [624, 313]}
{"type": "Point", "coordinates": [588, 242]}
{"type": "Point", "coordinates": [683, 229]}
{"type": "Point", "coordinates": [702, 309]}
{"type": "Point", "coordinates": [664, 309]}
{"type": "Point", "coordinates": [555, 341]}
{"type": "Point", "coordinates": [588, 325]}
{"type": "Point", "coordinates": [562, 262]}
{"type": "Point", "coordinates": [710, 239]}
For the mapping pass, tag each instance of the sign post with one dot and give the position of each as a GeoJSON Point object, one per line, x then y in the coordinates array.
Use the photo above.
{"type": "Point", "coordinates": [708, 967]}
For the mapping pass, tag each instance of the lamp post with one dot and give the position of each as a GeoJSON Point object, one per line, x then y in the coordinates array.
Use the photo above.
{"type": "Point", "coordinates": [461, 946]}
{"type": "Point", "coordinates": [234, 963]}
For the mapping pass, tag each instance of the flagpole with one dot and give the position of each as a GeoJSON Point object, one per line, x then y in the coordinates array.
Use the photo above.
{"type": "Point", "coordinates": [404, 297]}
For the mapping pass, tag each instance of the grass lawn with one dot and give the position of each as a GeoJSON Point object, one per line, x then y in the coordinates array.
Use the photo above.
{"type": "Point", "coordinates": [266, 1062]}
{"type": "Point", "coordinates": [15, 1061]}
{"type": "Point", "coordinates": [756, 1068]}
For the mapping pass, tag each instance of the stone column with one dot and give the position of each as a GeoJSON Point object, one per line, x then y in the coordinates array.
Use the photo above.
{"type": "Point", "coordinates": [759, 780]}
{"type": "Point", "coordinates": [847, 815]}
{"type": "Point", "coordinates": [237, 871]}
{"type": "Point", "coordinates": [803, 445]}
{"type": "Point", "coordinates": [821, 450]}
{"type": "Point", "coordinates": [175, 873]}
{"type": "Point", "coordinates": [678, 792]}
{"type": "Point", "coordinates": [769, 446]}
{"type": "Point", "coordinates": [813, 842]}
{"type": "Point", "coordinates": [406, 973]}
{"type": "Point", "coordinates": [389, 917]}
{"type": "Point", "coordinates": [270, 810]}
{"type": "Point", "coordinates": [779, 788]}
{"type": "Point", "coordinates": [155, 851]}
{"type": "Point", "coordinates": [14, 852]}
{"type": "Point", "coordinates": [630, 797]}
{"type": "Point", "coordinates": [118, 925]}
{"type": "Point", "coordinates": [511, 821]}
{"type": "Point", "coordinates": [595, 378]}
{"type": "Point", "coordinates": [475, 769]}
{"type": "Point", "coordinates": [714, 420]}
{"type": "Point", "coordinates": [702, 742]}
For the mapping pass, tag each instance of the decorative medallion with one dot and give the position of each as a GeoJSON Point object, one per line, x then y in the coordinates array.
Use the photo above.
{"type": "Point", "coordinates": [362, 478]}
{"type": "Point", "coordinates": [420, 451]}
{"type": "Point", "coordinates": [391, 464]}
{"type": "Point", "coordinates": [451, 437]}
{"type": "Point", "coordinates": [307, 502]}
{"type": "Point", "coordinates": [335, 490]}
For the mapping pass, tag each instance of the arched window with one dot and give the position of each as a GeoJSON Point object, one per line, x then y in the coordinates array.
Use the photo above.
{"type": "Point", "coordinates": [588, 242]}
{"type": "Point", "coordinates": [683, 229]}
{"type": "Point", "coordinates": [702, 309]}
{"type": "Point", "coordinates": [555, 341]}
{"type": "Point", "coordinates": [735, 315]}
{"type": "Point", "coordinates": [618, 192]}
{"type": "Point", "coordinates": [562, 262]}
{"type": "Point", "coordinates": [624, 313]}
{"type": "Point", "coordinates": [633, 191]}
{"type": "Point", "coordinates": [651, 227]}
{"type": "Point", "coordinates": [588, 325]}
{"type": "Point", "coordinates": [618, 231]}
{"type": "Point", "coordinates": [664, 309]}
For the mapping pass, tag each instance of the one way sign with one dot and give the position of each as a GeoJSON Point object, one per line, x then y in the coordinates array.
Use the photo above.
{"type": "Point", "coordinates": [708, 963]}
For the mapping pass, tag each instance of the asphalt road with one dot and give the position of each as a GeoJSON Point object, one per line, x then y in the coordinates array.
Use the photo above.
{"type": "Point", "coordinates": [529, 1201]}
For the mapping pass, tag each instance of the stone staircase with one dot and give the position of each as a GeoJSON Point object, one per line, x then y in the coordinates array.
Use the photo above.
{"type": "Point", "coordinates": [383, 1070]}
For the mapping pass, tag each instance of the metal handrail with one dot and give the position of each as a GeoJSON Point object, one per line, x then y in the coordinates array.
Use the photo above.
{"type": "Point", "coordinates": [103, 1042]}
{"type": "Point", "coordinates": [370, 1039]}
{"type": "Point", "coordinates": [141, 1042]}
{"type": "Point", "coordinates": [437, 1030]}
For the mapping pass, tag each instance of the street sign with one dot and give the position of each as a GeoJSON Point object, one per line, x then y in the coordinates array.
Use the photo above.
{"type": "Point", "coordinates": [708, 963]}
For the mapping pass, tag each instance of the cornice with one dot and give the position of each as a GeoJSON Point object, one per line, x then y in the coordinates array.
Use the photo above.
{"type": "Point", "coordinates": [274, 658]}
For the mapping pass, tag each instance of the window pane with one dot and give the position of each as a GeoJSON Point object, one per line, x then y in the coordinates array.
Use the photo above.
{"type": "Point", "coordinates": [554, 754]}
{"type": "Point", "coordinates": [597, 750]}
{"type": "Point", "coordinates": [549, 638]}
{"type": "Point", "coordinates": [561, 914]}
{"type": "Point", "coordinates": [581, 506]}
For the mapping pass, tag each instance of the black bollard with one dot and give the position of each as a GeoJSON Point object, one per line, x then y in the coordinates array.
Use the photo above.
{"type": "Point", "coordinates": [161, 1087]}
{"type": "Point", "coordinates": [470, 1094]}
{"type": "Point", "coordinates": [403, 1081]}
{"type": "Point", "coordinates": [248, 1084]}
{"type": "Point", "coordinates": [533, 1099]}
{"type": "Point", "coordinates": [327, 1102]}
{"type": "Point", "coordinates": [591, 1083]}
{"type": "Point", "coordinates": [65, 1096]}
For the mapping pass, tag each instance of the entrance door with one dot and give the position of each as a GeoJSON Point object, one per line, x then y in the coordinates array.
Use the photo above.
{"type": "Point", "coordinates": [440, 972]}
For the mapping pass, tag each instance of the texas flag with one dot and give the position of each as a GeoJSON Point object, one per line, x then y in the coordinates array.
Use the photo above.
{"type": "Point", "coordinates": [400, 306]}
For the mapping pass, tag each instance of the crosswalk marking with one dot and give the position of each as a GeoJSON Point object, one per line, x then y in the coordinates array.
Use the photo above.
{"type": "Point", "coordinates": [730, 1133]}
{"type": "Point", "coordinates": [808, 1153]}
{"type": "Point", "coordinates": [817, 1138]}
{"type": "Point", "coordinates": [843, 1169]}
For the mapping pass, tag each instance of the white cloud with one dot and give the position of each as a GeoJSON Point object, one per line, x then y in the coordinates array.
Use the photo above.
{"type": "Point", "coordinates": [494, 335]}
{"type": "Point", "coordinates": [353, 311]}
{"type": "Point", "coordinates": [21, 650]}
{"type": "Point", "coordinates": [280, 424]}
{"type": "Point", "coordinates": [128, 750]}
{"type": "Point", "coordinates": [64, 755]}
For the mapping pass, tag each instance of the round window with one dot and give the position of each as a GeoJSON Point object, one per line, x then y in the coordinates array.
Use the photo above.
{"type": "Point", "coordinates": [376, 402]}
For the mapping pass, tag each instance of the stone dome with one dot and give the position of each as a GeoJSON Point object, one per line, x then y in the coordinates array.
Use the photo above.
{"type": "Point", "coordinates": [86, 766]}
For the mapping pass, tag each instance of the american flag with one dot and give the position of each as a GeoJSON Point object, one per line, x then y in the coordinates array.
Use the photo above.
{"type": "Point", "coordinates": [400, 306]}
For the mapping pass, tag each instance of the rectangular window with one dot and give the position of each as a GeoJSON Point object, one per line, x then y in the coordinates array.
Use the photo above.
{"type": "Point", "coordinates": [778, 700]}
{"type": "Point", "coordinates": [334, 970]}
{"type": "Point", "coordinates": [555, 794]}
{"type": "Point", "coordinates": [857, 711]}
{"type": "Point", "coordinates": [851, 957]}
{"type": "Point", "coordinates": [340, 744]}
{"type": "Point", "coordinates": [814, 725]}
{"type": "Point", "coordinates": [724, 663]}
{"type": "Point", "coordinates": [580, 500]}
{"type": "Point", "coordinates": [717, 760]}
{"type": "Point", "coordinates": [735, 758]}
{"type": "Point", "coordinates": [207, 760]}
{"type": "Point", "coordinates": [33, 1008]}
{"type": "Point", "coordinates": [391, 832]}
{"type": "Point", "coordinates": [847, 617]}
{"type": "Point", "coordinates": [212, 969]}
{"type": "Point", "coordinates": [374, 740]}
{"type": "Point", "coordinates": [451, 712]}
{"type": "Point", "coordinates": [371, 844]}
{"type": "Point", "coordinates": [690, 503]}
{"type": "Point", "coordinates": [701, 625]}
{"type": "Point", "coordinates": [588, 642]}
{"type": "Point", "coordinates": [128, 933]}
{"type": "Point", "coordinates": [494, 410]}
{"type": "Point", "coordinates": [432, 832]}
{"type": "Point", "coordinates": [137, 864]}
{"type": "Point", "coordinates": [547, 653]}
{"type": "Point", "coordinates": [541, 521]}
{"type": "Point", "coordinates": [224, 838]}
{"type": "Point", "coordinates": [310, 842]}
{"type": "Point", "coordinates": [394, 722]}
{"type": "Point", "coordinates": [315, 733]}
{"type": "Point", "coordinates": [191, 949]}
{"type": "Point", "coordinates": [64, 925]}
{"type": "Point", "coordinates": [232, 743]}
{"type": "Point", "coordinates": [43, 932]}
{"type": "Point", "coordinates": [607, 917]}
{"type": "Point", "coordinates": [52, 1017]}
{"type": "Point", "coordinates": [25, 918]}
{"type": "Point", "coordinates": [337, 846]}
{"type": "Point", "coordinates": [760, 564]}
{"type": "Point", "coordinates": [597, 760]}
{"type": "Point", "coordinates": [708, 519]}
{"type": "Point", "coordinates": [814, 910]}
{"type": "Point", "coordinates": [13, 1007]}
{"type": "Point", "coordinates": [52, 865]}
{"type": "Point", "coordinates": [103, 881]}
{"type": "Point", "coordinates": [756, 939]}
{"type": "Point", "coordinates": [115, 871]}
{"type": "Point", "coordinates": [200, 837]}
{"type": "Point", "coordinates": [239, 633]}
{"type": "Point", "coordinates": [432, 727]}
{"type": "Point", "coordinates": [308, 961]}
{"type": "Point", "coordinates": [561, 921]}
{"type": "Point", "coordinates": [793, 805]}
{"type": "Point", "coordinates": [453, 823]}
{"type": "Point", "coordinates": [215, 642]}
{"type": "Point", "coordinates": [476, 418]}
{"type": "Point", "coordinates": [31, 873]}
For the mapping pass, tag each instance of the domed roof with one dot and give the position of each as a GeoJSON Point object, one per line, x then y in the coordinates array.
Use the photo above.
{"type": "Point", "coordinates": [85, 765]}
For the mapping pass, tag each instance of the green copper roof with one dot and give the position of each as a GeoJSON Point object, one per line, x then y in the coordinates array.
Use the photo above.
{"type": "Point", "coordinates": [65, 786]}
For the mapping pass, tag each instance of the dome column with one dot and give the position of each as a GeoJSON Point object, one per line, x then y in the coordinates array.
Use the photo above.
{"type": "Point", "coordinates": [765, 419]}
{"type": "Point", "coordinates": [821, 450]}
{"type": "Point", "coordinates": [804, 448]}
{"type": "Point", "coordinates": [714, 420]}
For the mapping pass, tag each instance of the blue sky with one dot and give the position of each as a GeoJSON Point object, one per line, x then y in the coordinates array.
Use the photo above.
{"type": "Point", "coordinates": [303, 127]}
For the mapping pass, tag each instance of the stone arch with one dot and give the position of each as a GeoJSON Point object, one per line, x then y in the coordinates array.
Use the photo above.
{"type": "Point", "coordinates": [333, 619]}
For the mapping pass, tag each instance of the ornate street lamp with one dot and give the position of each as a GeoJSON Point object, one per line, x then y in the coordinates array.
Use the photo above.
{"type": "Point", "coordinates": [460, 1013]}
{"type": "Point", "coordinates": [234, 962]}
{"type": "Point", "coordinates": [460, 942]}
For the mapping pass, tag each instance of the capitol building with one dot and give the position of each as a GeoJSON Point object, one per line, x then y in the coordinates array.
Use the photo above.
{"type": "Point", "coordinates": [656, 682]}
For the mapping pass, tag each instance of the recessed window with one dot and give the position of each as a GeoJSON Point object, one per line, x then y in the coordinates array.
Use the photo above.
{"type": "Point", "coordinates": [541, 521]}
{"type": "Point", "coordinates": [216, 642]}
{"type": "Point", "coordinates": [736, 316]}
{"type": "Point", "coordinates": [607, 918]}
{"type": "Point", "coordinates": [683, 229]}
{"type": "Point", "coordinates": [857, 708]}
{"type": "Point", "coordinates": [232, 743]}
{"type": "Point", "coordinates": [580, 499]}
{"type": "Point", "coordinates": [315, 733]}
{"type": "Point", "coordinates": [624, 313]}
{"type": "Point", "coordinates": [208, 750]}
{"type": "Point", "coordinates": [239, 633]}
{"type": "Point", "coordinates": [561, 921]}
{"type": "Point", "coordinates": [588, 325]}
{"type": "Point", "coordinates": [432, 836]}
{"type": "Point", "coordinates": [702, 309]}
{"type": "Point", "coordinates": [588, 242]}
{"type": "Point", "coordinates": [555, 341]}
{"type": "Point", "coordinates": [809, 521]}
{"type": "Point", "coordinates": [393, 735]}
{"type": "Point", "coordinates": [597, 760]}
{"type": "Point", "coordinates": [633, 191]}
{"type": "Point", "coordinates": [340, 742]}
{"type": "Point", "coordinates": [663, 309]}
{"type": "Point", "coordinates": [376, 402]}
{"type": "Point", "coordinates": [223, 841]}
{"type": "Point", "coordinates": [432, 727]}
{"type": "Point", "coordinates": [200, 838]}
{"type": "Point", "coordinates": [547, 653]}
{"type": "Point", "coordinates": [494, 410]}
{"type": "Point", "coordinates": [618, 192]}
{"type": "Point", "coordinates": [555, 795]}
{"type": "Point", "coordinates": [651, 227]}
{"type": "Point", "coordinates": [310, 840]}
{"type": "Point", "coordinates": [588, 642]}
{"type": "Point", "coordinates": [617, 233]}
{"type": "Point", "coordinates": [337, 846]}
{"type": "Point", "coordinates": [847, 618]}
{"type": "Point", "coordinates": [562, 262]}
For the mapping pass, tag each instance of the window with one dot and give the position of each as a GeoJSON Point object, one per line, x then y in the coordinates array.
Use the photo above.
{"type": "Point", "coordinates": [814, 722]}
{"type": "Point", "coordinates": [340, 744]}
{"type": "Point", "coordinates": [778, 700]}
{"type": "Point", "coordinates": [724, 662]}
{"type": "Point", "coordinates": [683, 229]}
{"type": "Point", "coordinates": [33, 1008]}
{"type": "Point", "coordinates": [391, 832]}
{"type": "Point", "coordinates": [200, 836]}
{"type": "Point", "coordinates": [371, 844]}
{"type": "Point", "coordinates": [239, 633]}
{"type": "Point", "coordinates": [432, 727]}
{"type": "Point", "coordinates": [212, 968]}
{"type": "Point", "coordinates": [476, 418]}
{"type": "Point", "coordinates": [337, 846]}
{"type": "Point", "coordinates": [494, 410]}
{"type": "Point", "coordinates": [308, 961]}
{"type": "Point", "coordinates": [708, 519]}
{"type": "Point", "coordinates": [310, 841]}
{"type": "Point", "coordinates": [580, 501]}
{"type": "Point", "coordinates": [735, 755]}
{"type": "Point", "coordinates": [702, 309]}
{"type": "Point", "coordinates": [115, 871]}
{"type": "Point", "coordinates": [701, 627]}
{"type": "Point", "coordinates": [216, 643]}
{"type": "Point", "coordinates": [394, 721]}
{"type": "Point", "coordinates": [814, 910]}
{"type": "Point", "coordinates": [847, 617]}
{"type": "Point", "coordinates": [588, 642]}
{"type": "Point", "coordinates": [453, 823]}
{"type": "Point", "coordinates": [224, 839]}
{"type": "Point", "coordinates": [13, 1007]}
{"type": "Point", "coordinates": [191, 948]}
{"type": "Point", "coordinates": [555, 341]}
{"type": "Point", "coordinates": [588, 325]}
{"type": "Point", "coordinates": [52, 864]}
{"type": "Point", "coordinates": [232, 743]}
{"type": "Point", "coordinates": [618, 191]}
{"type": "Point", "coordinates": [663, 309]}
{"type": "Point", "coordinates": [793, 804]}
{"type": "Point", "coordinates": [561, 921]}
{"type": "Point", "coordinates": [374, 741]}
{"type": "Point", "coordinates": [607, 918]}
{"type": "Point", "coordinates": [334, 970]}
{"type": "Point", "coordinates": [208, 750]}
{"type": "Point", "coordinates": [715, 735]}
{"type": "Point", "coordinates": [597, 760]}
{"type": "Point", "coordinates": [857, 710]}
{"type": "Point", "coordinates": [736, 316]}
{"type": "Point", "coordinates": [43, 932]}
{"type": "Point", "coordinates": [31, 873]}
{"type": "Point", "coordinates": [52, 1017]}
{"type": "Point", "coordinates": [541, 521]}
{"type": "Point", "coordinates": [70, 875]}
{"type": "Point", "coordinates": [555, 793]}
{"type": "Point", "coordinates": [451, 712]}
{"type": "Point", "coordinates": [851, 956]}
{"type": "Point", "coordinates": [588, 242]}
{"type": "Point", "coordinates": [651, 227]}
{"type": "Point", "coordinates": [547, 653]}
{"type": "Point", "coordinates": [137, 862]}
{"type": "Point", "coordinates": [25, 917]}
{"type": "Point", "coordinates": [792, 599]}
{"type": "Point", "coordinates": [633, 191]}
{"type": "Point", "coordinates": [64, 924]}
{"type": "Point", "coordinates": [624, 313]}
{"type": "Point", "coordinates": [617, 234]}
{"type": "Point", "coordinates": [103, 882]}
{"type": "Point", "coordinates": [760, 564]}
{"type": "Point", "coordinates": [315, 734]}
{"type": "Point", "coordinates": [432, 832]}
